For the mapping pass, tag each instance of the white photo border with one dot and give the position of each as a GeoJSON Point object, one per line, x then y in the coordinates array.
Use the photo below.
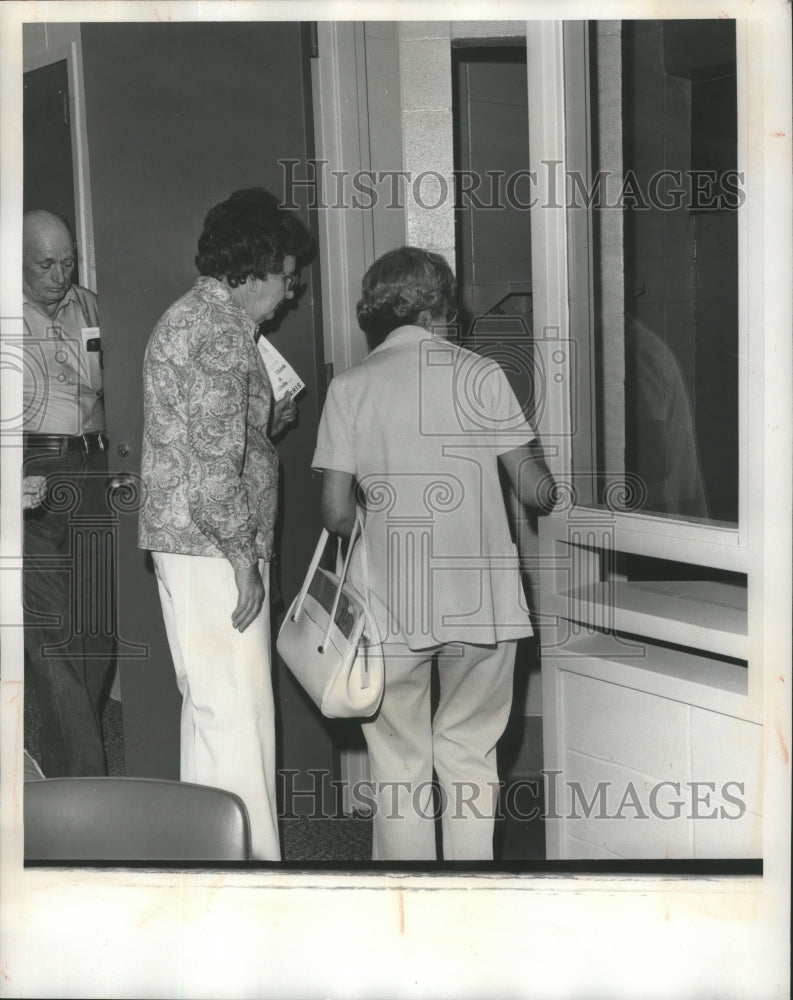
{"type": "Point", "coordinates": [114, 933]}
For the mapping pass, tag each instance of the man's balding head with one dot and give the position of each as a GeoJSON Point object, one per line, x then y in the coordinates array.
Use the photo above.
{"type": "Point", "coordinates": [48, 257]}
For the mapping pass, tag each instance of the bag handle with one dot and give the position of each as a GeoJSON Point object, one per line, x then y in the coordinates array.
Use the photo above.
{"type": "Point", "coordinates": [341, 572]}
{"type": "Point", "coordinates": [340, 563]}
{"type": "Point", "coordinates": [364, 557]}
{"type": "Point", "coordinates": [357, 529]}
{"type": "Point", "coordinates": [312, 568]}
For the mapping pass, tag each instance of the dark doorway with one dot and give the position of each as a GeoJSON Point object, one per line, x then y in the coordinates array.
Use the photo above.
{"type": "Point", "coordinates": [491, 155]}
{"type": "Point", "coordinates": [48, 169]}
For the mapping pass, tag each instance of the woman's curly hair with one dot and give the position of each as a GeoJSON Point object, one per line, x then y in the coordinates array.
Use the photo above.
{"type": "Point", "coordinates": [399, 287]}
{"type": "Point", "coordinates": [249, 234]}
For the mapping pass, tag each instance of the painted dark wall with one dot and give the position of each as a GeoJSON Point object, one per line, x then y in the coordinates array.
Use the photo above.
{"type": "Point", "coordinates": [179, 116]}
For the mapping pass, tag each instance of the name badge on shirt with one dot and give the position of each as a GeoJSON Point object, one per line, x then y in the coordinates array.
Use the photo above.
{"type": "Point", "coordinates": [91, 341]}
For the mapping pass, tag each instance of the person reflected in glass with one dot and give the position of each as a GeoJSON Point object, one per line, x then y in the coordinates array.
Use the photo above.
{"type": "Point", "coordinates": [661, 434]}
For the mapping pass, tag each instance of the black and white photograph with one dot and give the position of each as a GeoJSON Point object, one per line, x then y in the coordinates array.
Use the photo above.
{"type": "Point", "coordinates": [396, 499]}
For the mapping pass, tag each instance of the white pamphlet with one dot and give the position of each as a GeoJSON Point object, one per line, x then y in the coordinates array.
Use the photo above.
{"type": "Point", "coordinates": [283, 378]}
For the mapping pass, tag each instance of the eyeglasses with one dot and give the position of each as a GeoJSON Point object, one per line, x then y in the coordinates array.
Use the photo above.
{"type": "Point", "coordinates": [291, 281]}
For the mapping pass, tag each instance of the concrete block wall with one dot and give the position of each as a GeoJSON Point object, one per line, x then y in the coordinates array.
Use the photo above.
{"type": "Point", "coordinates": [425, 69]}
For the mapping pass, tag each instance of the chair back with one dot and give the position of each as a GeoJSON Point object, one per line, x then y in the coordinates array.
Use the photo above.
{"type": "Point", "coordinates": [133, 819]}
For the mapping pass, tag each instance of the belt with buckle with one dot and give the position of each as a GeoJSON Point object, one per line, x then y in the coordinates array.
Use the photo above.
{"type": "Point", "coordinates": [85, 443]}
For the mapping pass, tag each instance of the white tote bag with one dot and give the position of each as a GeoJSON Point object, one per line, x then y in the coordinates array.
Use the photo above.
{"type": "Point", "coordinates": [330, 640]}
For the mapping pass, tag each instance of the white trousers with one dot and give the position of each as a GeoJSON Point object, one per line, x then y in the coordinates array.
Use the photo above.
{"type": "Point", "coordinates": [228, 716]}
{"type": "Point", "coordinates": [405, 743]}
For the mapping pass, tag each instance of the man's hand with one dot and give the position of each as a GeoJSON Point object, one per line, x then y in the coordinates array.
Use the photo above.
{"type": "Point", "coordinates": [251, 596]}
{"type": "Point", "coordinates": [34, 489]}
{"type": "Point", "coordinates": [284, 414]}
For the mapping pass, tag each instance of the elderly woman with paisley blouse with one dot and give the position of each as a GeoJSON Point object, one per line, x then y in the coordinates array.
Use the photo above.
{"type": "Point", "coordinates": [210, 478]}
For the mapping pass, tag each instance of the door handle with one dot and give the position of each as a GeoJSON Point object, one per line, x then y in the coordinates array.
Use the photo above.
{"type": "Point", "coordinates": [124, 493]}
{"type": "Point", "coordinates": [123, 481]}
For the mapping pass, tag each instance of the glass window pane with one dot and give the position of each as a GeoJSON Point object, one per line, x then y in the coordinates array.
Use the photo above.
{"type": "Point", "coordinates": [662, 165]}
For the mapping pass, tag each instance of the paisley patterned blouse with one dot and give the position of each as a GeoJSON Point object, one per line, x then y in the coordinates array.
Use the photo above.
{"type": "Point", "coordinates": [210, 472]}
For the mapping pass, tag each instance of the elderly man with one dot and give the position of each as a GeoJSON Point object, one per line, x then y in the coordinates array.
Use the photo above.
{"type": "Point", "coordinates": [211, 486]}
{"type": "Point", "coordinates": [64, 441]}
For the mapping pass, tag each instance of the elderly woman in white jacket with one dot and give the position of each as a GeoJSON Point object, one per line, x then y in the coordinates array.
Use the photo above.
{"type": "Point", "coordinates": [415, 435]}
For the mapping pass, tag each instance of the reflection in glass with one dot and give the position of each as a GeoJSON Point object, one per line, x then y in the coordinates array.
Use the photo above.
{"type": "Point", "coordinates": [662, 97]}
{"type": "Point", "coordinates": [661, 442]}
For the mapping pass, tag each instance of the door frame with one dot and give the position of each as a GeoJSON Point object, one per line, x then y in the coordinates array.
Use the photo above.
{"type": "Point", "coordinates": [355, 85]}
{"type": "Point", "coordinates": [344, 85]}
